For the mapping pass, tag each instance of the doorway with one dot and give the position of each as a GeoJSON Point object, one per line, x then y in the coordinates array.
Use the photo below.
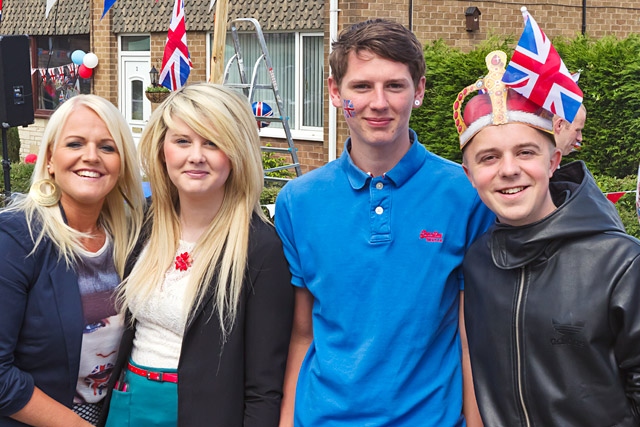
{"type": "Point", "coordinates": [135, 63]}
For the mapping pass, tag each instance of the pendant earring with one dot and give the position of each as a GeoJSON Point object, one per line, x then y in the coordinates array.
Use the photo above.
{"type": "Point", "coordinates": [45, 192]}
{"type": "Point", "coordinates": [417, 103]}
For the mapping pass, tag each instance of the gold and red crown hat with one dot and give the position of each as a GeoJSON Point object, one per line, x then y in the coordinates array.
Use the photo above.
{"type": "Point", "coordinates": [496, 105]}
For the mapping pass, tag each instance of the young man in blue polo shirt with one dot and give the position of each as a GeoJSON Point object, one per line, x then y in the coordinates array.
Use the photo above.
{"type": "Point", "coordinates": [375, 242]}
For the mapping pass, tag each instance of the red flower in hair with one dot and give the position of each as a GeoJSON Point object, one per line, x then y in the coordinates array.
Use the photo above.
{"type": "Point", "coordinates": [183, 261]}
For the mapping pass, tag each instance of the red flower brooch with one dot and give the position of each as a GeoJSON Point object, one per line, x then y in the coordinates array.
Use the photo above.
{"type": "Point", "coordinates": [183, 261]}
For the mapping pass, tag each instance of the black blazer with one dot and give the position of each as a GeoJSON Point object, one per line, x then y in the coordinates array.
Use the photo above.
{"type": "Point", "coordinates": [238, 384]}
{"type": "Point", "coordinates": [41, 320]}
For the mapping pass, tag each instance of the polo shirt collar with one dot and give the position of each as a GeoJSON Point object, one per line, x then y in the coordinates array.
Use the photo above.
{"type": "Point", "coordinates": [399, 174]}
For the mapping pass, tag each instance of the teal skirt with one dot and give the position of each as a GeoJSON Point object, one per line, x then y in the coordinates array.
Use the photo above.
{"type": "Point", "coordinates": [137, 401]}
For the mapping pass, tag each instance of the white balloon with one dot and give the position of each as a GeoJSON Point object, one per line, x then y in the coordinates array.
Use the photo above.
{"type": "Point", "coordinates": [90, 60]}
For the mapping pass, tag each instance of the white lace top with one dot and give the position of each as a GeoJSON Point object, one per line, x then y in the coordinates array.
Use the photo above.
{"type": "Point", "coordinates": [161, 319]}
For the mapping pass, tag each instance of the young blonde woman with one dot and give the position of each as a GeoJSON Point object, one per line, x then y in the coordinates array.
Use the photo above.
{"type": "Point", "coordinates": [64, 248]}
{"type": "Point", "coordinates": [209, 300]}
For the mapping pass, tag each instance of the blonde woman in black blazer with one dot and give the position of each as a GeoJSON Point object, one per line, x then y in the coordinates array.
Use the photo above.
{"type": "Point", "coordinates": [64, 248]}
{"type": "Point", "coordinates": [209, 301]}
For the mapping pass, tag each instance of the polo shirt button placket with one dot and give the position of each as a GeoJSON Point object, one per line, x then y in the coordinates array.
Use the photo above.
{"type": "Point", "coordinates": [380, 205]}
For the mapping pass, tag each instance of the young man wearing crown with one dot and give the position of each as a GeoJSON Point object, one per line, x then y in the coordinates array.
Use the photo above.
{"type": "Point", "coordinates": [375, 242]}
{"type": "Point", "coordinates": [552, 290]}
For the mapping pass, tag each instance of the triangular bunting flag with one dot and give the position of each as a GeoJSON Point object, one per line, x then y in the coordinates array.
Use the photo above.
{"type": "Point", "coordinates": [107, 6]}
{"type": "Point", "coordinates": [614, 197]}
{"type": "Point", "coordinates": [49, 6]}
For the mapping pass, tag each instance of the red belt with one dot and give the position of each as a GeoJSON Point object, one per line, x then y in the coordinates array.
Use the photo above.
{"type": "Point", "coordinates": [170, 377]}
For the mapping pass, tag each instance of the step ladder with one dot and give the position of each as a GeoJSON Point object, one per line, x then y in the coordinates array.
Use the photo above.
{"type": "Point", "coordinates": [249, 87]}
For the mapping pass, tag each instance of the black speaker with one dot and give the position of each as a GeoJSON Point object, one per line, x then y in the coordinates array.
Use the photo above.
{"type": "Point", "coordinates": [16, 95]}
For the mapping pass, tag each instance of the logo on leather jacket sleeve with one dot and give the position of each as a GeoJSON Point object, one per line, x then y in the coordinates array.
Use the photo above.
{"type": "Point", "coordinates": [569, 334]}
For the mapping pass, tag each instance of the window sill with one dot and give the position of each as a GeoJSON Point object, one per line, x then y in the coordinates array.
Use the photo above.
{"type": "Point", "coordinates": [305, 135]}
{"type": "Point", "coordinates": [42, 114]}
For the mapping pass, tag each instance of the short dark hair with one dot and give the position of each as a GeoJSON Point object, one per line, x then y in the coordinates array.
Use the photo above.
{"type": "Point", "coordinates": [386, 39]}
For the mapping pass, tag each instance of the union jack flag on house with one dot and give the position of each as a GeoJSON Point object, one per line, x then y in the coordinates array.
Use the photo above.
{"type": "Point", "coordinates": [537, 72]}
{"type": "Point", "coordinates": [176, 62]}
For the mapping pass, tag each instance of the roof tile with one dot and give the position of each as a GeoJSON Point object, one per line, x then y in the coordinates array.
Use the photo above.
{"type": "Point", "coordinates": [138, 16]}
{"type": "Point", "coordinates": [28, 17]}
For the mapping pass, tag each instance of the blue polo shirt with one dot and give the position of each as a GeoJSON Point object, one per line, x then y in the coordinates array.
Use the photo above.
{"type": "Point", "coordinates": [382, 258]}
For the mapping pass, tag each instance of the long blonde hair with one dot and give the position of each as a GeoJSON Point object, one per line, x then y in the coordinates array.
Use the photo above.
{"type": "Point", "coordinates": [123, 209]}
{"type": "Point", "coordinates": [223, 116]}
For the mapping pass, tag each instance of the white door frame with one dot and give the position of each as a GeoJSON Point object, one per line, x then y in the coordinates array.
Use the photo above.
{"type": "Point", "coordinates": [141, 60]}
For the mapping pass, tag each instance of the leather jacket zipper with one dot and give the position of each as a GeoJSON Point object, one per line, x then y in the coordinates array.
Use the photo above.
{"type": "Point", "coordinates": [519, 354]}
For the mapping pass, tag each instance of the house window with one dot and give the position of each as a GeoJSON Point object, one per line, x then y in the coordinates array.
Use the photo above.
{"type": "Point", "coordinates": [56, 78]}
{"type": "Point", "coordinates": [298, 63]}
{"type": "Point", "coordinates": [312, 80]}
{"type": "Point", "coordinates": [137, 108]}
{"type": "Point", "coordinates": [135, 43]}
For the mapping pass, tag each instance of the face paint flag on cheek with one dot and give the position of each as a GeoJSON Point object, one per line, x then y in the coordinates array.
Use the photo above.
{"type": "Point", "coordinates": [347, 109]}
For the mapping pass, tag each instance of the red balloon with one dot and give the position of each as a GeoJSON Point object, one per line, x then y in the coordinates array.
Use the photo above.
{"type": "Point", "coordinates": [85, 72]}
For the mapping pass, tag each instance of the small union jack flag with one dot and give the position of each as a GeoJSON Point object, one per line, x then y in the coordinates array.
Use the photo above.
{"type": "Point", "coordinates": [176, 62]}
{"type": "Point", "coordinates": [347, 108]}
{"type": "Point", "coordinates": [537, 72]}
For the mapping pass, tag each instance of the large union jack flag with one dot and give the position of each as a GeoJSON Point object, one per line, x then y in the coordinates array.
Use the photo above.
{"type": "Point", "coordinates": [537, 72]}
{"type": "Point", "coordinates": [176, 62]}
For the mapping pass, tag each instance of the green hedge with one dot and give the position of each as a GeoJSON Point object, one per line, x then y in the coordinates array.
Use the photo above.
{"type": "Point", "coordinates": [610, 80]}
{"type": "Point", "coordinates": [20, 175]}
{"type": "Point", "coordinates": [13, 144]}
{"type": "Point", "coordinates": [627, 204]}
{"type": "Point", "coordinates": [449, 70]}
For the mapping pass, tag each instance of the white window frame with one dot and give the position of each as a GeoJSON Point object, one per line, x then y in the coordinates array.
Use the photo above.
{"type": "Point", "coordinates": [300, 132]}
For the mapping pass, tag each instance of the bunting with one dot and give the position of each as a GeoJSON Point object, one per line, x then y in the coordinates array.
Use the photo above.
{"type": "Point", "coordinates": [68, 70]}
{"type": "Point", "coordinates": [48, 8]}
{"type": "Point", "coordinates": [107, 6]}
{"type": "Point", "coordinates": [616, 195]}
{"type": "Point", "coordinates": [59, 82]}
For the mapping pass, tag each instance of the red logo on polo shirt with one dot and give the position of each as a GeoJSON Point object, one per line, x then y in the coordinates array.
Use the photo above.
{"type": "Point", "coordinates": [431, 236]}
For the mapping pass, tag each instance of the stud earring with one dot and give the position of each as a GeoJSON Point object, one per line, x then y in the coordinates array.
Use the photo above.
{"type": "Point", "coordinates": [417, 103]}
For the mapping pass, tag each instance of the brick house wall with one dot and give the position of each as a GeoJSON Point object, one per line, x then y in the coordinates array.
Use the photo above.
{"type": "Point", "coordinates": [31, 136]}
{"type": "Point", "coordinates": [105, 45]}
{"type": "Point", "coordinates": [311, 154]}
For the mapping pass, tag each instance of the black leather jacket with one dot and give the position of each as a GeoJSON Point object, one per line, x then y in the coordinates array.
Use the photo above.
{"type": "Point", "coordinates": [552, 314]}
